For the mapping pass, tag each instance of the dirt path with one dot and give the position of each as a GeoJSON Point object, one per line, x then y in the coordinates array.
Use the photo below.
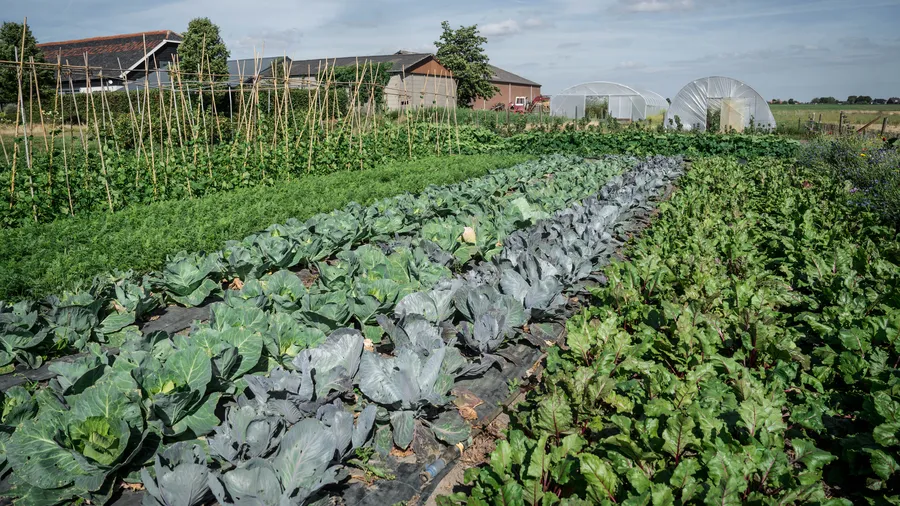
{"type": "Point", "coordinates": [475, 455]}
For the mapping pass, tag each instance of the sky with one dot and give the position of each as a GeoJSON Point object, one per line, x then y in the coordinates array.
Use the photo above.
{"type": "Point", "coordinates": [783, 48]}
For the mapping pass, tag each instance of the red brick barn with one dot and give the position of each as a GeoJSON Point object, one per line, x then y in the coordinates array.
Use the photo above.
{"type": "Point", "coordinates": [510, 86]}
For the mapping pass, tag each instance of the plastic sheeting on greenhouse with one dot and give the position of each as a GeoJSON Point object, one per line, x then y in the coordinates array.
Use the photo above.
{"type": "Point", "coordinates": [719, 103]}
{"type": "Point", "coordinates": [617, 100]}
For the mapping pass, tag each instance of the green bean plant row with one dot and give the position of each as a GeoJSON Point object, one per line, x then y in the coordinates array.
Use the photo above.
{"type": "Point", "coordinates": [76, 180]}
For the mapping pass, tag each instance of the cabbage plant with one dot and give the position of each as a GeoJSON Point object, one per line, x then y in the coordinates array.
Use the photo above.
{"type": "Point", "coordinates": [304, 463]}
{"type": "Point", "coordinates": [21, 334]}
{"type": "Point", "coordinates": [247, 433]}
{"type": "Point", "coordinates": [405, 384]}
{"type": "Point", "coordinates": [75, 450]}
{"type": "Point", "coordinates": [177, 391]}
{"type": "Point", "coordinates": [285, 290]}
{"type": "Point", "coordinates": [286, 338]}
{"type": "Point", "coordinates": [180, 477]}
{"type": "Point", "coordinates": [188, 279]}
{"type": "Point", "coordinates": [250, 295]}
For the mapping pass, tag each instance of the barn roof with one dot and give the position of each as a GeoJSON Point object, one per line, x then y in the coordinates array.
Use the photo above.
{"type": "Point", "coordinates": [505, 77]}
{"type": "Point", "coordinates": [107, 52]}
{"type": "Point", "coordinates": [398, 61]}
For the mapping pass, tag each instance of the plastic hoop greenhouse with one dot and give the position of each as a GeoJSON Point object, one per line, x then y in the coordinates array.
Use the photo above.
{"type": "Point", "coordinates": [720, 104]}
{"type": "Point", "coordinates": [601, 99]}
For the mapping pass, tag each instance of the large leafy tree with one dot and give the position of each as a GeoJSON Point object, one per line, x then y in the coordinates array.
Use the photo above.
{"type": "Point", "coordinates": [203, 51]}
{"type": "Point", "coordinates": [462, 51]}
{"type": "Point", "coordinates": [10, 41]}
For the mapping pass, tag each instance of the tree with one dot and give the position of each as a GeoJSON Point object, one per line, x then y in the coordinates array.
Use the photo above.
{"type": "Point", "coordinates": [10, 43]}
{"type": "Point", "coordinates": [851, 99]}
{"type": "Point", "coordinates": [792, 101]}
{"type": "Point", "coordinates": [863, 99]}
{"type": "Point", "coordinates": [462, 52]}
{"type": "Point", "coordinates": [203, 52]}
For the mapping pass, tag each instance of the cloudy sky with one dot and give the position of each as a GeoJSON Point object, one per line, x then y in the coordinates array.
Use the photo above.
{"type": "Point", "coordinates": [784, 48]}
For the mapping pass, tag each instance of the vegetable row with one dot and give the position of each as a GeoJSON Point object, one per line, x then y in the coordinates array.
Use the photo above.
{"type": "Point", "coordinates": [491, 206]}
{"type": "Point", "coordinates": [295, 422]}
{"type": "Point", "coordinates": [746, 353]}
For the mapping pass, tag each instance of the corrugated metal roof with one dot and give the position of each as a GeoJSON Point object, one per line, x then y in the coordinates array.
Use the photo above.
{"type": "Point", "coordinates": [502, 76]}
{"type": "Point", "coordinates": [398, 61]}
{"type": "Point", "coordinates": [248, 68]}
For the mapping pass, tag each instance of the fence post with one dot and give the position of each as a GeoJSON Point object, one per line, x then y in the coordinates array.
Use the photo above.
{"type": "Point", "coordinates": [883, 126]}
{"type": "Point", "coordinates": [841, 124]}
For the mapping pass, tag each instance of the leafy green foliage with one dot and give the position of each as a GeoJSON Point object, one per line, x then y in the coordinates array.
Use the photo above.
{"type": "Point", "coordinates": [179, 478]}
{"type": "Point", "coordinates": [406, 383]}
{"type": "Point", "coordinates": [186, 278]}
{"type": "Point", "coordinates": [462, 52]}
{"type": "Point", "coordinates": [11, 38]}
{"type": "Point", "coordinates": [40, 259]}
{"type": "Point", "coordinates": [75, 449]}
{"type": "Point", "coordinates": [20, 334]}
{"type": "Point", "coordinates": [745, 353]}
{"type": "Point", "coordinates": [286, 433]}
{"type": "Point", "coordinates": [202, 52]}
{"type": "Point", "coordinates": [188, 172]}
{"type": "Point", "coordinates": [868, 166]}
{"type": "Point", "coordinates": [357, 285]}
{"type": "Point", "coordinates": [301, 468]}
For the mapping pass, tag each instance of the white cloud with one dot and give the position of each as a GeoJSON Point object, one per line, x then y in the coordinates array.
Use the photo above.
{"type": "Point", "coordinates": [500, 29]}
{"type": "Point", "coordinates": [657, 5]}
{"type": "Point", "coordinates": [268, 42]}
{"type": "Point", "coordinates": [511, 27]}
{"type": "Point", "coordinates": [629, 65]}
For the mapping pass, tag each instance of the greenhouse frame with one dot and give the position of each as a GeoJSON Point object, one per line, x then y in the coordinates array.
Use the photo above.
{"type": "Point", "coordinates": [621, 101]}
{"type": "Point", "coordinates": [723, 103]}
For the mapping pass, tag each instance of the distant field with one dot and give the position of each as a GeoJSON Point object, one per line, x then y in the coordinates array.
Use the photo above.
{"type": "Point", "coordinates": [830, 113]}
{"type": "Point", "coordinates": [834, 107]}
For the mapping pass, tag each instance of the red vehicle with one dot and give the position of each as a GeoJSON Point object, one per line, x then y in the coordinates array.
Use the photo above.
{"type": "Point", "coordinates": [520, 105]}
{"type": "Point", "coordinates": [540, 101]}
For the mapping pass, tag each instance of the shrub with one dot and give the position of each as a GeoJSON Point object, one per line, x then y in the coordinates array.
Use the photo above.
{"type": "Point", "coordinates": [870, 167]}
